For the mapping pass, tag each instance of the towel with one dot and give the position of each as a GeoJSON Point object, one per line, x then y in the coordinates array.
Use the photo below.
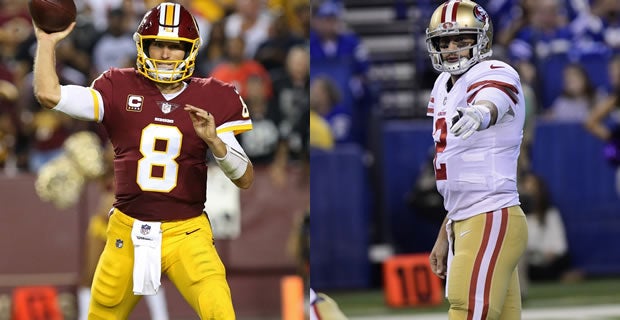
{"type": "Point", "coordinates": [146, 237]}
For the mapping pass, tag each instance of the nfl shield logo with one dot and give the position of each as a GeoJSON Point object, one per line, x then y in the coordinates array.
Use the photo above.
{"type": "Point", "coordinates": [145, 229]}
{"type": "Point", "coordinates": [166, 107]}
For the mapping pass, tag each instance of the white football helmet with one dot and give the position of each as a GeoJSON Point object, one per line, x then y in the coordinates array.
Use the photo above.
{"type": "Point", "coordinates": [459, 17]}
{"type": "Point", "coordinates": [167, 22]}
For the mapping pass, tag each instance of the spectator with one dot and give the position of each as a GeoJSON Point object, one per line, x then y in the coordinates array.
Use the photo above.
{"type": "Point", "coordinates": [272, 52]}
{"type": "Point", "coordinates": [547, 257]}
{"type": "Point", "coordinates": [325, 101]}
{"type": "Point", "coordinates": [237, 69]}
{"type": "Point", "coordinates": [545, 34]}
{"type": "Point", "coordinates": [340, 54]}
{"type": "Point", "coordinates": [115, 47]}
{"type": "Point", "coordinates": [214, 53]}
{"type": "Point", "coordinates": [607, 17]}
{"type": "Point", "coordinates": [291, 99]}
{"type": "Point", "coordinates": [250, 21]}
{"type": "Point", "coordinates": [9, 121]}
{"type": "Point", "coordinates": [577, 97]}
{"type": "Point", "coordinates": [597, 121]}
{"type": "Point", "coordinates": [545, 37]}
{"type": "Point", "coordinates": [320, 133]}
{"type": "Point", "coordinates": [302, 14]}
{"type": "Point", "coordinates": [15, 26]}
{"type": "Point", "coordinates": [260, 144]}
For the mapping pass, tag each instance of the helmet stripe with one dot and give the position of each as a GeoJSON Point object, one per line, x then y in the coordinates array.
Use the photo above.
{"type": "Point", "coordinates": [449, 10]}
{"type": "Point", "coordinates": [443, 12]}
{"type": "Point", "coordinates": [169, 15]}
{"type": "Point", "coordinates": [455, 9]}
{"type": "Point", "coordinates": [169, 19]}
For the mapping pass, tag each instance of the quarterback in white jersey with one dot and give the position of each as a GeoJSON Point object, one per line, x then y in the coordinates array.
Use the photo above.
{"type": "Point", "coordinates": [478, 114]}
{"type": "Point", "coordinates": [478, 173]}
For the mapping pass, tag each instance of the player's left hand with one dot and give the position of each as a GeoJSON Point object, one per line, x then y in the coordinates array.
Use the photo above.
{"type": "Point", "coordinates": [203, 122]}
{"type": "Point", "coordinates": [468, 122]}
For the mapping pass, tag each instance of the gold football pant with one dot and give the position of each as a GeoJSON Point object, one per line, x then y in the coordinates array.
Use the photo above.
{"type": "Point", "coordinates": [483, 282]}
{"type": "Point", "coordinates": [189, 258]}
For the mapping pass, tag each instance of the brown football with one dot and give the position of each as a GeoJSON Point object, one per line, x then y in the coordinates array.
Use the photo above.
{"type": "Point", "coordinates": [52, 15]}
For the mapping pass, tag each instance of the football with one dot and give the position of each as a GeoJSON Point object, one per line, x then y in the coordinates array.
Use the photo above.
{"type": "Point", "coordinates": [52, 15]}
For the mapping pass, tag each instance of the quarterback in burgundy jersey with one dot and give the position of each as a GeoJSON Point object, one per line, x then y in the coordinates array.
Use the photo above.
{"type": "Point", "coordinates": [155, 144]}
{"type": "Point", "coordinates": [478, 114]}
{"type": "Point", "coordinates": [161, 121]}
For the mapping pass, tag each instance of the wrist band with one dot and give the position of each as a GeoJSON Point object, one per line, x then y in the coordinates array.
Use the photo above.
{"type": "Point", "coordinates": [233, 164]}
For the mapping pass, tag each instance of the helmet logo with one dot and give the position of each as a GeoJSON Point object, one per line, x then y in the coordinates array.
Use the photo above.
{"type": "Point", "coordinates": [447, 25]}
{"type": "Point", "coordinates": [481, 14]}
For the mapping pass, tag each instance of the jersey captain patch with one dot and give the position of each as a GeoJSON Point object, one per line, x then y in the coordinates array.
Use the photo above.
{"type": "Point", "coordinates": [134, 103]}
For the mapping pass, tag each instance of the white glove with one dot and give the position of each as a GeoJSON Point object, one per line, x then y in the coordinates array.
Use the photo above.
{"type": "Point", "coordinates": [470, 119]}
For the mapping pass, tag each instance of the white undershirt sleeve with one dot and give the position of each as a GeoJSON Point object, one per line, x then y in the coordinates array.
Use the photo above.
{"type": "Point", "coordinates": [228, 138]}
{"type": "Point", "coordinates": [82, 103]}
{"type": "Point", "coordinates": [501, 100]}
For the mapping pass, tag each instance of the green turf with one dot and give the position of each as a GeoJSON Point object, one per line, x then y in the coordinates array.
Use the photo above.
{"type": "Point", "coordinates": [587, 292]}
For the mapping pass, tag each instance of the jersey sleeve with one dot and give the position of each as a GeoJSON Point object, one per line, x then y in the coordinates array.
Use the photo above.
{"type": "Point", "coordinates": [236, 116]}
{"type": "Point", "coordinates": [104, 85]}
{"type": "Point", "coordinates": [498, 83]}
{"type": "Point", "coordinates": [430, 108]}
{"type": "Point", "coordinates": [81, 103]}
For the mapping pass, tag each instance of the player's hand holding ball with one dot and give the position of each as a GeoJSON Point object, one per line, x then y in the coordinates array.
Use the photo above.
{"type": "Point", "coordinates": [52, 15]}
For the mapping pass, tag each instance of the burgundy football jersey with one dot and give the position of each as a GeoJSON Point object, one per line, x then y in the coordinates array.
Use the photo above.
{"type": "Point", "coordinates": [160, 162]}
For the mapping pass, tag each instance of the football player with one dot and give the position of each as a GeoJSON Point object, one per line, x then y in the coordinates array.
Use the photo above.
{"type": "Point", "coordinates": [160, 121]}
{"type": "Point", "coordinates": [478, 112]}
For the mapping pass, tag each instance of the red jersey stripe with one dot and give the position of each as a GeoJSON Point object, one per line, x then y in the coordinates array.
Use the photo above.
{"type": "Point", "coordinates": [510, 90]}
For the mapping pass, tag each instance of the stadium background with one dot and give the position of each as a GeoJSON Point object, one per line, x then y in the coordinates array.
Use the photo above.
{"type": "Point", "coordinates": [358, 190]}
{"type": "Point", "coordinates": [43, 245]}
{"type": "Point", "coordinates": [361, 191]}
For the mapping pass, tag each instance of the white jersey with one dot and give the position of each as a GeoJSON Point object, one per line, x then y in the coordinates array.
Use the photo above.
{"type": "Point", "coordinates": [478, 174]}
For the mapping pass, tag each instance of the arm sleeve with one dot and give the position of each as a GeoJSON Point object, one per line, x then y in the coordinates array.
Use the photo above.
{"type": "Point", "coordinates": [229, 138]}
{"type": "Point", "coordinates": [81, 103]}
{"type": "Point", "coordinates": [503, 103]}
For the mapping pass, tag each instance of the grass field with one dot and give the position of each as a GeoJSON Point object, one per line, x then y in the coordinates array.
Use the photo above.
{"type": "Point", "coordinates": [600, 298]}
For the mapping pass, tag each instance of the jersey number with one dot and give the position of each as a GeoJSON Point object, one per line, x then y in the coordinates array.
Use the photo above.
{"type": "Point", "coordinates": [171, 139]}
{"type": "Point", "coordinates": [440, 146]}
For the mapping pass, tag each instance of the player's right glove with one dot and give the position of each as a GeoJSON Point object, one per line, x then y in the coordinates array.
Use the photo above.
{"type": "Point", "coordinates": [470, 119]}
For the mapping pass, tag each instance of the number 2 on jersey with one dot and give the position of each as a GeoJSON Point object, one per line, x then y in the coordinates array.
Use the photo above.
{"type": "Point", "coordinates": [166, 159]}
{"type": "Point", "coordinates": [440, 169]}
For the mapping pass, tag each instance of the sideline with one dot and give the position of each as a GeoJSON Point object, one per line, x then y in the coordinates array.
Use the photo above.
{"type": "Point", "coordinates": [591, 312]}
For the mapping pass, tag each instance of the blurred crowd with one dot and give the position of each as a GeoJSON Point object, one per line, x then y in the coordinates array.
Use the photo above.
{"type": "Point", "coordinates": [261, 46]}
{"type": "Point", "coordinates": [566, 51]}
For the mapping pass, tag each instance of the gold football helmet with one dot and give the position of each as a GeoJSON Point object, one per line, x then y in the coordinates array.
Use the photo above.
{"type": "Point", "coordinates": [459, 17]}
{"type": "Point", "coordinates": [167, 22]}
